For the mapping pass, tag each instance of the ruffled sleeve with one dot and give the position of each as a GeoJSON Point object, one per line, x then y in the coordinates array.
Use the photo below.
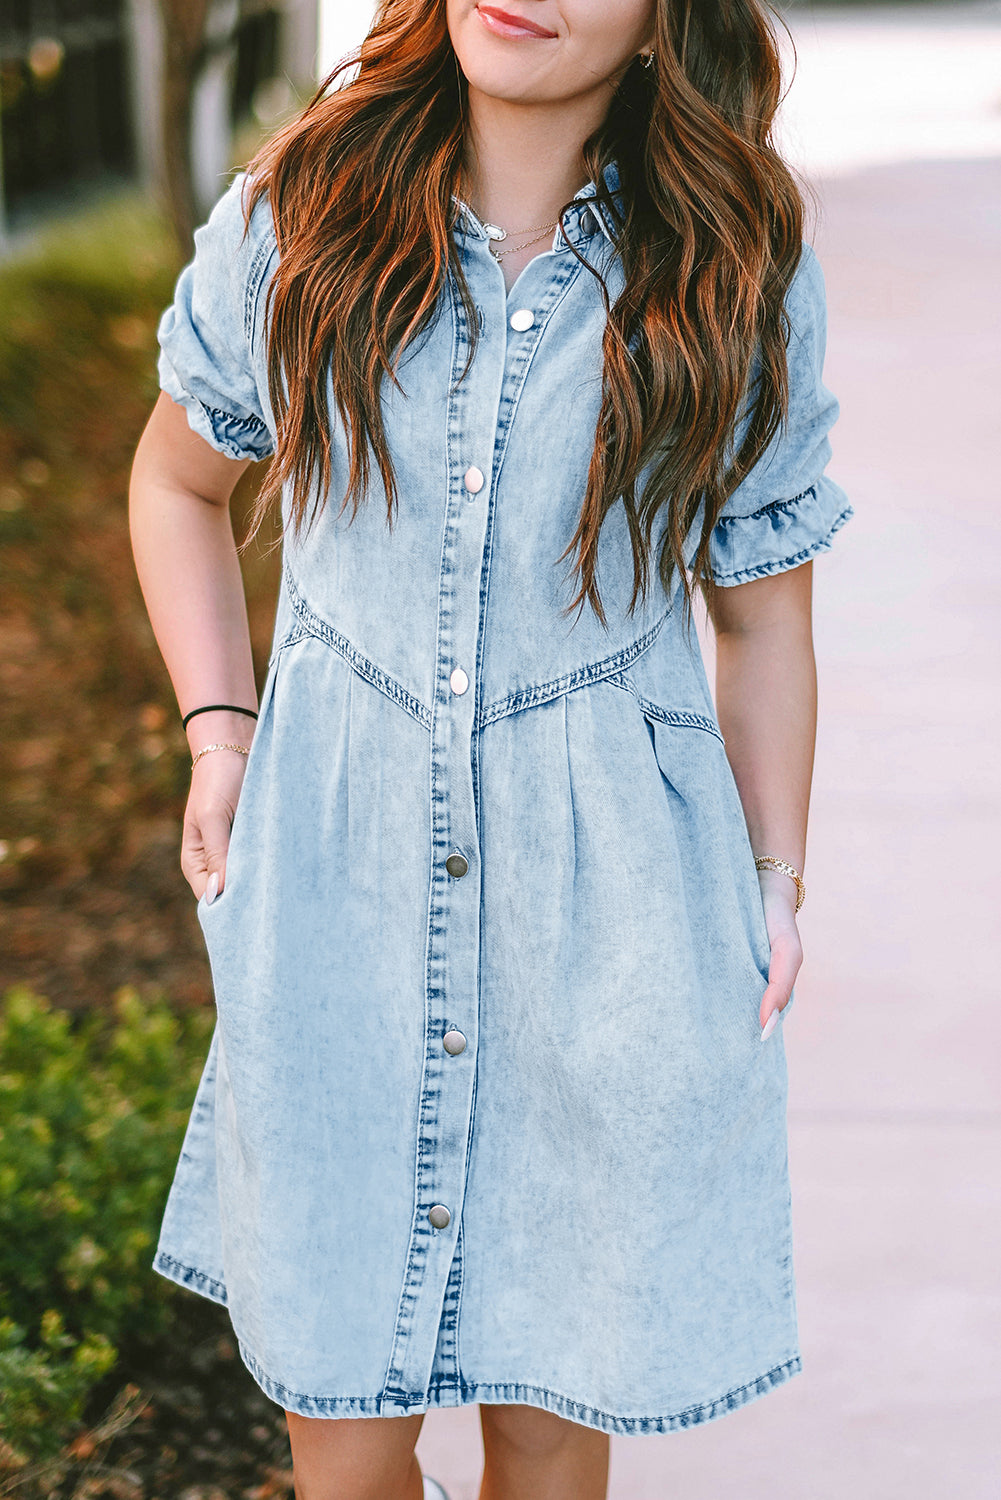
{"type": "Point", "coordinates": [206, 361]}
{"type": "Point", "coordinates": [787, 509]}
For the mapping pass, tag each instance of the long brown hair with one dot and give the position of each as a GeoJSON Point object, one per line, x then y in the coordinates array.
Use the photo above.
{"type": "Point", "coordinates": [361, 188]}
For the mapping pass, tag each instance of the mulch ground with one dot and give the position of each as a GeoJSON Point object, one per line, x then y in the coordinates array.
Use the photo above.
{"type": "Point", "coordinates": [95, 771]}
{"type": "Point", "coordinates": [93, 760]}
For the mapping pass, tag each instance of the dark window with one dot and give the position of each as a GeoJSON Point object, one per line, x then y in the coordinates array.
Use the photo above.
{"type": "Point", "coordinates": [258, 54]}
{"type": "Point", "coordinates": [65, 104]}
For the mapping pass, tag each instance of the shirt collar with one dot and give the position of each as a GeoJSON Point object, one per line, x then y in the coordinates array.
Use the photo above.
{"type": "Point", "coordinates": [613, 188]}
{"type": "Point", "coordinates": [575, 229]}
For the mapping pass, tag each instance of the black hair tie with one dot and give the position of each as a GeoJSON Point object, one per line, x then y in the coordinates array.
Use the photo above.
{"type": "Point", "coordinates": [209, 707]}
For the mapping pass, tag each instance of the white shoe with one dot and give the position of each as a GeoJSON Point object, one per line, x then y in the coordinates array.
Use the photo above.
{"type": "Point", "coordinates": [433, 1490]}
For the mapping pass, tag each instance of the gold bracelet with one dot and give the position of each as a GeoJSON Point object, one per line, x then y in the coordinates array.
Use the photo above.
{"type": "Point", "coordinates": [243, 749]}
{"type": "Point", "coordinates": [769, 862]}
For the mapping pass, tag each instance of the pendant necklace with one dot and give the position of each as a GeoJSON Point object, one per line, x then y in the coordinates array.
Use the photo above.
{"type": "Point", "coordinates": [537, 231]}
{"type": "Point", "coordinates": [544, 229]}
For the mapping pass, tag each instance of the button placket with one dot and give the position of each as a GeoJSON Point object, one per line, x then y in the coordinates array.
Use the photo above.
{"type": "Point", "coordinates": [478, 423]}
{"type": "Point", "coordinates": [452, 968]}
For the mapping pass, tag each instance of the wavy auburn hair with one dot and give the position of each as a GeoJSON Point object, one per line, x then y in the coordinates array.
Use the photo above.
{"type": "Point", "coordinates": [361, 188]}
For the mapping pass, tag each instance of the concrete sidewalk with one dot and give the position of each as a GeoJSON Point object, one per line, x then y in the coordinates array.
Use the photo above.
{"type": "Point", "coordinates": [895, 1112]}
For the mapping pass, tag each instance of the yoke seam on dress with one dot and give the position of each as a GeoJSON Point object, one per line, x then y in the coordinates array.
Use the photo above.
{"type": "Point", "coordinates": [297, 633]}
{"type": "Point", "coordinates": [584, 676]}
{"type": "Point", "coordinates": [318, 627]}
{"type": "Point", "coordinates": [682, 718]}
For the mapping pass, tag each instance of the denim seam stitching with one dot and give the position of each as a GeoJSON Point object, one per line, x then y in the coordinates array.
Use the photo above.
{"type": "Point", "coordinates": [255, 277]}
{"type": "Point", "coordinates": [428, 1097]}
{"type": "Point", "coordinates": [780, 564]}
{"type": "Point", "coordinates": [259, 262]}
{"type": "Point", "coordinates": [681, 718]}
{"type": "Point", "coordinates": [564, 279]}
{"type": "Point", "coordinates": [773, 505]}
{"type": "Point", "coordinates": [249, 423]}
{"type": "Point", "coordinates": [473, 1391]}
{"type": "Point", "coordinates": [190, 1275]}
{"type": "Point", "coordinates": [359, 663]}
{"type": "Point", "coordinates": [584, 676]}
{"type": "Point", "coordinates": [296, 634]}
{"type": "Point", "coordinates": [687, 1417]}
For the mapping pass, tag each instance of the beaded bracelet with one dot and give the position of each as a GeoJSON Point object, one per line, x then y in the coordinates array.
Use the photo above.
{"type": "Point", "coordinates": [243, 749]}
{"type": "Point", "coordinates": [769, 862]}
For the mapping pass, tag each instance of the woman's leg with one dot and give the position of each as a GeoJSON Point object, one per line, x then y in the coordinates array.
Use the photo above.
{"type": "Point", "coordinates": [355, 1458]}
{"type": "Point", "coordinates": [533, 1453]}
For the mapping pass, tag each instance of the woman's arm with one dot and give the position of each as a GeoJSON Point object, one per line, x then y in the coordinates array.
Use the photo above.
{"type": "Point", "coordinates": [766, 703]}
{"type": "Point", "coordinates": [189, 573]}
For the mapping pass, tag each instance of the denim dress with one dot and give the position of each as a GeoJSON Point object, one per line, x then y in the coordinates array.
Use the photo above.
{"type": "Point", "coordinates": [485, 1115]}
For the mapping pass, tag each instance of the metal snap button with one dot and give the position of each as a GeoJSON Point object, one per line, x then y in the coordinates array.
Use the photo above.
{"type": "Point", "coordinates": [522, 320]}
{"type": "Point", "coordinates": [473, 480]}
{"type": "Point", "coordinates": [456, 865]}
{"type": "Point", "coordinates": [454, 1042]}
{"type": "Point", "coordinates": [458, 681]}
{"type": "Point", "coordinates": [439, 1216]}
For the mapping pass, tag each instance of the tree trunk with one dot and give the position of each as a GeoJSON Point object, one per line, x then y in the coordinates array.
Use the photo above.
{"type": "Point", "coordinates": [185, 49]}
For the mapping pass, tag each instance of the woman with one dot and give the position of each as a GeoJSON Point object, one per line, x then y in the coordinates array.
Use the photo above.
{"type": "Point", "coordinates": [500, 909]}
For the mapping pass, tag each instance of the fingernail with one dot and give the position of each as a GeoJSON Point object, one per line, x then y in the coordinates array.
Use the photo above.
{"type": "Point", "coordinates": [211, 887]}
{"type": "Point", "coordinates": [769, 1025]}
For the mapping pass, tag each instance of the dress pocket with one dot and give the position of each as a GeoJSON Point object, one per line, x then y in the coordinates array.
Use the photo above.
{"type": "Point", "coordinates": [720, 882]}
{"type": "Point", "coordinates": [241, 830]}
{"type": "Point", "coordinates": [234, 852]}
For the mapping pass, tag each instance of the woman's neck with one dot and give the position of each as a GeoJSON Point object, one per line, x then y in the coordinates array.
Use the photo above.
{"type": "Point", "coordinates": [523, 162]}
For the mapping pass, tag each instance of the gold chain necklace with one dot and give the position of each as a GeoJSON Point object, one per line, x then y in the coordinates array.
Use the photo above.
{"type": "Point", "coordinates": [494, 231]}
{"type": "Point", "coordinates": [545, 229]}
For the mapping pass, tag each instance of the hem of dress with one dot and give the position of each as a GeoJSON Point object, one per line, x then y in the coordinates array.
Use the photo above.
{"type": "Point", "coordinates": [465, 1393]}
{"type": "Point", "coordinates": [451, 1393]}
{"type": "Point", "coordinates": [190, 1277]}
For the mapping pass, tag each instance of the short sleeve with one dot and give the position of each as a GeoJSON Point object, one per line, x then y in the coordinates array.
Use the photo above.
{"type": "Point", "coordinates": [206, 362]}
{"type": "Point", "coordinates": [786, 510]}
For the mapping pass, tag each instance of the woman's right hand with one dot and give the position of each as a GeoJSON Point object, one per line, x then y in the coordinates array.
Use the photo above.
{"type": "Point", "coordinates": [208, 817]}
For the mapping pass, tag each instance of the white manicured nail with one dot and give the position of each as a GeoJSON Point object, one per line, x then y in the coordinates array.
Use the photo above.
{"type": "Point", "coordinates": [211, 887]}
{"type": "Point", "coordinates": [769, 1025]}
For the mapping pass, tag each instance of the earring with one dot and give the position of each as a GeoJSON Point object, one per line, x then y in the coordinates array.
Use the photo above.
{"type": "Point", "coordinates": [648, 58]}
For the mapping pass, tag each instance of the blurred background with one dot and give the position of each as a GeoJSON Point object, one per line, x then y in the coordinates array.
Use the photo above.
{"type": "Point", "coordinates": [121, 122]}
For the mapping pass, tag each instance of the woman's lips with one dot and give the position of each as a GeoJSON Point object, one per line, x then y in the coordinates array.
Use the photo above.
{"type": "Point", "coordinates": [503, 23]}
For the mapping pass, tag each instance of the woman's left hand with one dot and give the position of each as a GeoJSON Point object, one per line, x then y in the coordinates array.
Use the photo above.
{"type": "Point", "coordinates": [778, 896]}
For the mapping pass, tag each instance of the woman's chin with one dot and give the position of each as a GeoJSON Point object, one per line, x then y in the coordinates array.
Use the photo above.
{"type": "Point", "coordinates": [510, 81]}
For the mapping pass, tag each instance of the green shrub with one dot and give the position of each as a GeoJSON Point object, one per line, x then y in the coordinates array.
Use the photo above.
{"type": "Point", "coordinates": [81, 291]}
{"type": "Point", "coordinates": [92, 1115]}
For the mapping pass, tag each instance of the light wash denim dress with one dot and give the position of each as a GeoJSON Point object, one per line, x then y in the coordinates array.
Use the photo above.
{"type": "Point", "coordinates": [485, 1116]}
